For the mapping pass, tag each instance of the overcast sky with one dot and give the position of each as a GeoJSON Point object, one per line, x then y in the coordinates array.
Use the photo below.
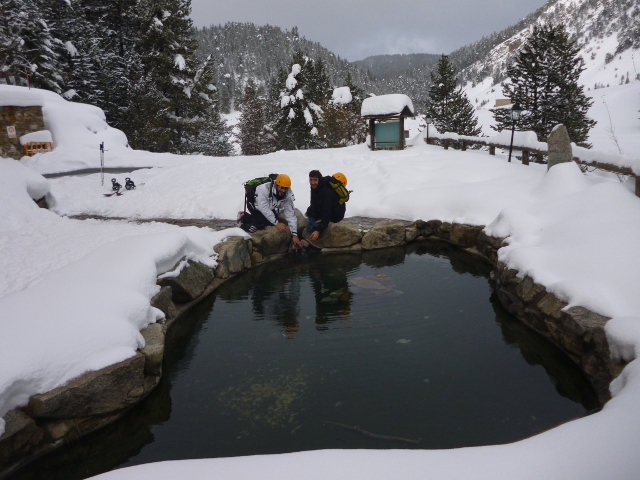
{"type": "Point", "coordinates": [355, 29]}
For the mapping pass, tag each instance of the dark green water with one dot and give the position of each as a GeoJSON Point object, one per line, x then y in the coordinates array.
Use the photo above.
{"type": "Point", "coordinates": [402, 343]}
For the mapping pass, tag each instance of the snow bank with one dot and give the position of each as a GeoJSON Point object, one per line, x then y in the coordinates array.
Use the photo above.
{"type": "Point", "coordinates": [74, 295]}
{"type": "Point", "coordinates": [386, 105]}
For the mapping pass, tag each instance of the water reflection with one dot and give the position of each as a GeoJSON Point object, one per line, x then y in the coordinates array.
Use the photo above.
{"type": "Point", "coordinates": [234, 386]}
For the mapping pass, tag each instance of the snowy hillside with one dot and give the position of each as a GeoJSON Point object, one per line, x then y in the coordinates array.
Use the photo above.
{"type": "Point", "coordinates": [611, 76]}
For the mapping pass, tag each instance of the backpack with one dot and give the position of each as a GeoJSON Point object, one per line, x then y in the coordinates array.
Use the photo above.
{"type": "Point", "coordinates": [250, 189]}
{"type": "Point", "coordinates": [341, 190]}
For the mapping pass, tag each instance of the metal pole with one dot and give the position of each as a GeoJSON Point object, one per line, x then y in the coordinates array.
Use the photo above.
{"type": "Point", "coordinates": [513, 129]}
{"type": "Point", "coordinates": [102, 163]}
{"type": "Point", "coordinates": [427, 134]}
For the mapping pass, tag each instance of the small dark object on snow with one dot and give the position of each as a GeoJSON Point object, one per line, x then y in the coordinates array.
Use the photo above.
{"type": "Point", "coordinates": [115, 186]}
{"type": "Point", "coordinates": [129, 185]}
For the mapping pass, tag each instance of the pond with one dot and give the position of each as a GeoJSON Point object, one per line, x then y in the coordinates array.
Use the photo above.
{"type": "Point", "coordinates": [398, 348]}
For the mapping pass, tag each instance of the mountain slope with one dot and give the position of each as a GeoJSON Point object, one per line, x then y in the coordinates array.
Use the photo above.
{"type": "Point", "coordinates": [244, 50]}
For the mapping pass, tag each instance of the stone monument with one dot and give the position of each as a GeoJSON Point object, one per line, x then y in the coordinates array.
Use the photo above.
{"type": "Point", "coordinates": [559, 145]}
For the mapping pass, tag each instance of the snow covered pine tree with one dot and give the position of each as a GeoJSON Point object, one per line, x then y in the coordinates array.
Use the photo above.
{"type": "Point", "coordinates": [448, 105]}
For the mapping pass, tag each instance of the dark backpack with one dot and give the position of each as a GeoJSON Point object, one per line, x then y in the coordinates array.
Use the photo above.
{"type": "Point", "coordinates": [341, 190]}
{"type": "Point", "coordinates": [250, 189]}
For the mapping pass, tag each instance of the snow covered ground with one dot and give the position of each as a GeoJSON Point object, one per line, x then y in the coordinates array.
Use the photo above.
{"type": "Point", "coordinates": [74, 294]}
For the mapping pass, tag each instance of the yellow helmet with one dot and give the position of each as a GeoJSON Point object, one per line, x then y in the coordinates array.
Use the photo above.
{"type": "Point", "coordinates": [341, 178]}
{"type": "Point", "coordinates": [283, 180]}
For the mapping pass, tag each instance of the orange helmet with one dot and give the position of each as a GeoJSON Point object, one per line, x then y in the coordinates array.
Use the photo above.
{"type": "Point", "coordinates": [283, 180]}
{"type": "Point", "coordinates": [341, 178]}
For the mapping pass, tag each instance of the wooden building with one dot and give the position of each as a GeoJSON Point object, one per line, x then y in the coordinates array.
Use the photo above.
{"type": "Point", "coordinates": [386, 114]}
{"type": "Point", "coordinates": [21, 115]}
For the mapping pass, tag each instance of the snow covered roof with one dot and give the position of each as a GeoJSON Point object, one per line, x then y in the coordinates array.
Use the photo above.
{"type": "Point", "coordinates": [12, 96]}
{"type": "Point", "coordinates": [394, 105]}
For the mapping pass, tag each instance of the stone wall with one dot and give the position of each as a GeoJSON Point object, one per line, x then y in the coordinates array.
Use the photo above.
{"type": "Point", "coordinates": [97, 398]}
{"type": "Point", "coordinates": [26, 120]}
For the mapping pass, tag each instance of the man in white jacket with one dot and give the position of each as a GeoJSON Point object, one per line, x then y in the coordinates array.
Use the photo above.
{"type": "Point", "coordinates": [272, 199]}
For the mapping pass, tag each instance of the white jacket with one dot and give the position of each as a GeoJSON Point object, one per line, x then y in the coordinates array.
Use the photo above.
{"type": "Point", "coordinates": [267, 203]}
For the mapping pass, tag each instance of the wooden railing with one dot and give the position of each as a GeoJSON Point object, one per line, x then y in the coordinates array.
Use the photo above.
{"type": "Point", "coordinates": [447, 139]}
{"type": "Point", "coordinates": [31, 148]}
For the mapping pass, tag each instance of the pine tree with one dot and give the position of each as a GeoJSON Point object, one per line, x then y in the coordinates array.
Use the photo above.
{"type": "Point", "coordinates": [27, 45]}
{"type": "Point", "coordinates": [343, 125]}
{"type": "Point", "coordinates": [179, 89]}
{"type": "Point", "coordinates": [204, 131]}
{"type": "Point", "coordinates": [448, 105]}
{"type": "Point", "coordinates": [305, 92]}
{"type": "Point", "coordinates": [544, 81]}
{"type": "Point", "coordinates": [252, 121]}
{"type": "Point", "coordinates": [357, 95]}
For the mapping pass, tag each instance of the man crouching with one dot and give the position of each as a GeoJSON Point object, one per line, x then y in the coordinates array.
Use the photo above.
{"type": "Point", "coordinates": [271, 199]}
{"type": "Point", "coordinates": [326, 204]}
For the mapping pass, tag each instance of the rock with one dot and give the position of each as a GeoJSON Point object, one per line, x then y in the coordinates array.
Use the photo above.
{"type": "Point", "coordinates": [257, 258]}
{"type": "Point", "coordinates": [300, 218]}
{"type": "Point", "coordinates": [59, 429]}
{"type": "Point", "coordinates": [302, 221]}
{"type": "Point", "coordinates": [388, 233]}
{"type": "Point", "coordinates": [551, 305]}
{"type": "Point", "coordinates": [489, 246]}
{"type": "Point", "coordinates": [586, 319]}
{"type": "Point", "coordinates": [162, 301]}
{"type": "Point", "coordinates": [190, 283]}
{"type": "Point", "coordinates": [527, 289]}
{"type": "Point", "coordinates": [233, 257]}
{"type": "Point", "coordinates": [353, 249]}
{"type": "Point", "coordinates": [343, 234]}
{"type": "Point", "coordinates": [20, 435]}
{"type": "Point", "coordinates": [270, 241]}
{"type": "Point", "coordinates": [153, 351]}
{"type": "Point", "coordinates": [464, 235]}
{"type": "Point", "coordinates": [411, 233]}
{"type": "Point", "coordinates": [95, 393]}
{"type": "Point", "coordinates": [559, 146]}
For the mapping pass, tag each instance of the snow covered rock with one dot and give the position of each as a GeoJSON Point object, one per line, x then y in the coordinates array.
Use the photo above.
{"type": "Point", "coordinates": [190, 283]}
{"type": "Point", "coordinates": [105, 391]}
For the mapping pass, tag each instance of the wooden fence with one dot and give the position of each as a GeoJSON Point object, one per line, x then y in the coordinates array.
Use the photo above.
{"type": "Point", "coordinates": [445, 141]}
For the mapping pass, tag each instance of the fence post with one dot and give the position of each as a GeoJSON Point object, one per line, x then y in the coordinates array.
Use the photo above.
{"type": "Point", "coordinates": [446, 144]}
{"type": "Point", "coordinates": [492, 149]}
{"type": "Point", "coordinates": [463, 146]}
{"type": "Point", "coordinates": [525, 157]}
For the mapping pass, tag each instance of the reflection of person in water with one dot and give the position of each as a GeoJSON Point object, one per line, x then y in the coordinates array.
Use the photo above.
{"type": "Point", "coordinates": [332, 294]}
{"type": "Point", "coordinates": [279, 300]}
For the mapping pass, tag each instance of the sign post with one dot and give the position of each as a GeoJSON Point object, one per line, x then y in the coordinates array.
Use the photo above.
{"type": "Point", "coordinates": [102, 163]}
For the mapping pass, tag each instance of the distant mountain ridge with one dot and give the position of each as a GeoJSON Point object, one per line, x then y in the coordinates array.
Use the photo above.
{"type": "Point", "coordinates": [244, 50]}
{"type": "Point", "coordinates": [383, 66]}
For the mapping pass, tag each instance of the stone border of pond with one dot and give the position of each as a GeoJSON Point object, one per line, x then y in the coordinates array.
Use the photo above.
{"type": "Point", "coordinates": [95, 399]}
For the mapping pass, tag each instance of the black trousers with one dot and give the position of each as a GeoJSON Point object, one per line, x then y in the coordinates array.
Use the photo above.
{"type": "Point", "coordinates": [255, 218]}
